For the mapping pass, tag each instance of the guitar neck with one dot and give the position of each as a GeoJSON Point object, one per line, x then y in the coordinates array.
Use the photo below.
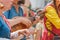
{"type": "Point", "coordinates": [34, 17]}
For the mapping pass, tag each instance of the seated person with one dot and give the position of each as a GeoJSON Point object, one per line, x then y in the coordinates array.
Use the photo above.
{"type": "Point", "coordinates": [15, 12]}
{"type": "Point", "coordinates": [4, 26]}
{"type": "Point", "coordinates": [14, 15]}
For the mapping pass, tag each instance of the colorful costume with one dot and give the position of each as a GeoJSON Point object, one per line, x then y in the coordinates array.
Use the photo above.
{"type": "Point", "coordinates": [52, 22]}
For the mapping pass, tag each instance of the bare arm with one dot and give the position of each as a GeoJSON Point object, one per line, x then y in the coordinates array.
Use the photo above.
{"type": "Point", "coordinates": [14, 21]}
{"type": "Point", "coordinates": [17, 20]}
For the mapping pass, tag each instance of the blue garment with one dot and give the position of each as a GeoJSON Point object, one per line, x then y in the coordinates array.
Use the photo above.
{"type": "Point", "coordinates": [4, 29]}
{"type": "Point", "coordinates": [12, 13]}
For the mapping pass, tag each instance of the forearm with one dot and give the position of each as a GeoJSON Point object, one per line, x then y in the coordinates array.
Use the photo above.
{"type": "Point", "coordinates": [13, 21]}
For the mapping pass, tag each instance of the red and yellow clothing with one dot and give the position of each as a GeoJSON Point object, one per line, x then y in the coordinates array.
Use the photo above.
{"type": "Point", "coordinates": [52, 22]}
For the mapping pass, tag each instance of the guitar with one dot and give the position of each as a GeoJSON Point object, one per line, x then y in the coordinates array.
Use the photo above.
{"type": "Point", "coordinates": [20, 25]}
{"type": "Point", "coordinates": [6, 5]}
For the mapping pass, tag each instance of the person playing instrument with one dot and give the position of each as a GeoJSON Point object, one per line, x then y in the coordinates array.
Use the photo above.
{"type": "Point", "coordinates": [15, 12]}
{"type": "Point", "coordinates": [52, 21]}
{"type": "Point", "coordinates": [4, 25]}
{"type": "Point", "coordinates": [15, 15]}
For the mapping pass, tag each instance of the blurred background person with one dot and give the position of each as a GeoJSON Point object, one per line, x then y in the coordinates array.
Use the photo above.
{"type": "Point", "coordinates": [51, 18]}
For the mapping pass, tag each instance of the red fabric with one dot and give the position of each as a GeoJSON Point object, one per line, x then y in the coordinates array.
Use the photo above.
{"type": "Point", "coordinates": [33, 14]}
{"type": "Point", "coordinates": [45, 34]}
{"type": "Point", "coordinates": [54, 29]}
{"type": "Point", "coordinates": [25, 15]}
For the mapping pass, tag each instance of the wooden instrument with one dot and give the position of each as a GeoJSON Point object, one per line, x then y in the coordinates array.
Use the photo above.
{"type": "Point", "coordinates": [6, 5]}
{"type": "Point", "coordinates": [24, 26]}
{"type": "Point", "coordinates": [21, 25]}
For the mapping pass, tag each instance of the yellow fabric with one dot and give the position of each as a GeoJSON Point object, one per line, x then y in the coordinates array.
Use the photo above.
{"type": "Point", "coordinates": [52, 16]}
{"type": "Point", "coordinates": [48, 25]}
{"type": "Point", "coordinates": [49, 33]}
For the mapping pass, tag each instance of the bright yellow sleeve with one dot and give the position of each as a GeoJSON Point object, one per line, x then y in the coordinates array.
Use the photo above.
{"type": "Point", "coordinates": [53, 16]}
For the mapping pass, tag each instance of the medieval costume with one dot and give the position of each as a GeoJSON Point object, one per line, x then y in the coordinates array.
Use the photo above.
{"type": "Point", "coordinates": [52, 23]}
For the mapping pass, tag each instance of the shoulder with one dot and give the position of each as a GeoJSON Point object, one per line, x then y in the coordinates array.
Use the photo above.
{"type": "Point", "coordinates": [6, 12]}
{"type": "Point", "coordinates": [49, 5]}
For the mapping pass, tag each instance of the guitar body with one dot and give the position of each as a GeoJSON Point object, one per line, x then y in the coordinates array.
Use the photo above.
{"type": "Point", "coordinates": [6, 5]}
{"type": "Point", "coordinates": [22, 25]}
{"type": "Point", "coordinates": [19, 27]}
